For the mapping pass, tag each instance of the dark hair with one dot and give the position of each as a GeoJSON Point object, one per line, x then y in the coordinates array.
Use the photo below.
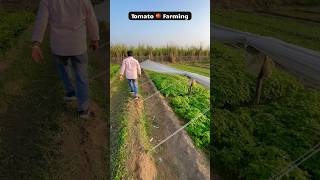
{"type": "Point", "coordinates": [130, 53]}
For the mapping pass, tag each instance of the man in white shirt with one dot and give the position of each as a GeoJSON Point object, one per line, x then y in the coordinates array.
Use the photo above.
{"type": "Point", "coordinates": [131, 67]}
{"type": "Point", "coordinates": [69, 21]}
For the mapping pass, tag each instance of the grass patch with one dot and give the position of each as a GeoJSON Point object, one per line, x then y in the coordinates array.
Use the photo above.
{"type": "Point", "coordinates": [32, 120]}
{"type": "Point", "coordinates": [118, 166]}
{"type": "Point", "coordinates": [301, 33]}
{"type": "Point", "coordinates": [97, 84]}
{"type": "Point", "coordinates": [12, 24]}
{"type": "Point", "coordinates": [119, 130]}
{"type": "Point", "coordinates": [193, 69]}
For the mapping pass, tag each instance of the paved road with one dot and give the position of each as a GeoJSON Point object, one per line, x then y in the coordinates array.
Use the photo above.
{"type": "Point", "coordinates": [158, 67]}
{"type": "Point", "coordinates": [301, 61]}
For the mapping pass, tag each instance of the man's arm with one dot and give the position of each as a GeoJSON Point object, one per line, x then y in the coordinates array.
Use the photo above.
{"type": "Point", "coordinates": [138, 68]}
{"type": "Point", "coordinates": [91, 22]}
{"type": "Point", "coordinates": [122, 69]}
{"type": "Point", "coordinates": [40, 28]}
{"type": "Point", "coordinates": [41, 23]}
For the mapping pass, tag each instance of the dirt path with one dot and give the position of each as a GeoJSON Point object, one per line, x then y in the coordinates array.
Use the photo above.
{"type": "Point", "coordinates": [83, 146]}
{"type": "Point", "coordinates": [84, 143]}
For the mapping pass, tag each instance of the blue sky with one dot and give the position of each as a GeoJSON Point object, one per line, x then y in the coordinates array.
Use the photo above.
{"type": "Point", "coordinates": [158, 33]}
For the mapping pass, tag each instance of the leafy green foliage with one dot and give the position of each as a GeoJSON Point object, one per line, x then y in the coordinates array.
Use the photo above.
{"type": "Point", "coordinates": [175, 88]}
{"type": "Point", "coordinates": [12, 24]}
{"type": "Point", "coordinates": [231, 83]}
{"type": "Point", "coordinates": [114, 69]}
{"type": "Point", "coordinates": [255, 142]}
{"type": "Point", "coordinates": [280, 84]}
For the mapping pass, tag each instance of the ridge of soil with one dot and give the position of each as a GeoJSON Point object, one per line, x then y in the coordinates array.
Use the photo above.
{"type": "Point", "coordinates": [83, 146]}
{"type": "Point", "coordinates": [118, 100]}
{"type": "Point", "coordinates": [140, 164]}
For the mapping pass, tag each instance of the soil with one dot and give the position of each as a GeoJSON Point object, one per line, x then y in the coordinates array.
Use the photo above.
{"type": "Point", "coordinates": [14, 88]}
{"type": "Point", "coordinates": [83, 146]}
{"type": "Point", "coordinates": [3, 66]}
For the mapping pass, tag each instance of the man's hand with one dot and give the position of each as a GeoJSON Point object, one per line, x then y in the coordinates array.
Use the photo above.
{"type": "Point", "coordinates": [37, 54]}
{"type": "Point", "coordinates": [121, 77]}
{"type": "Point", "coordinates": [94, 44]}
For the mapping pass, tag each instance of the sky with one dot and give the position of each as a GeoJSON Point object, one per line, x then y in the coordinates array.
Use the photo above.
{"type": "Point", "coordinates": [195, 32]}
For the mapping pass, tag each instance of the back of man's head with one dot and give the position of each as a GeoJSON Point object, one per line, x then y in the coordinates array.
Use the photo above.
{"type": "Point", "coordinates": [130, 53]}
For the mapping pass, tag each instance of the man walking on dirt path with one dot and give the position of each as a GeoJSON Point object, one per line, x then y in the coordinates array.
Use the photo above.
{"type": "Point", "coordinates": [131, 67]}
{"type": "Point", "coordinates": [69, 22]}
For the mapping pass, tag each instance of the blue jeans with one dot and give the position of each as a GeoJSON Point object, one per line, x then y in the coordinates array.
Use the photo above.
{"type": "Point", "coordinates": [133, 85]}
{"type": "Point", "coordinates": [79, 65]}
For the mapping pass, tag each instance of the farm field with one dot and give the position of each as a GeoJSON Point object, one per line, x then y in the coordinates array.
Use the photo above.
{"type": "Point", "coordinates": [298, 13]}
{"type": "Point", "coordinates": [298, 32]}
{"type": "Point", "coordinates": [188, 107]}
{"type": "Point", "coordinates": [258, 141]}
{"type": "Point", "coordinates": [151, 122]}
{"type": "Point", "coordinates": [38, 132]}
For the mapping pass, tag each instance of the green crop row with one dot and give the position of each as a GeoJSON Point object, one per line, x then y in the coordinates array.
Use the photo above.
{"type": "Point", "coordinates": [256, 142]}
{"type": "Point", "coordinates": [188, 107]}
{"type": "Point", "coordinates": [301, 33]}
{"type": "Point", "coordinates": [12, 24]}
